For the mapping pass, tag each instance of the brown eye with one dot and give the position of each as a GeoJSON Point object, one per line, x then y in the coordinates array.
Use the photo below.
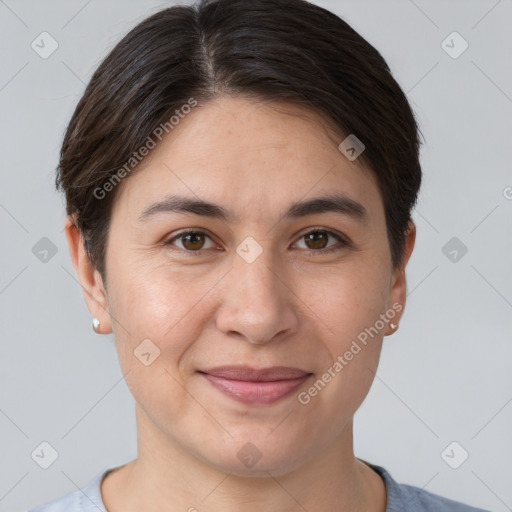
{"type": "Point", "coordinates": [192, 242]}
{"type": "Point", "coordinates": [316, 241]}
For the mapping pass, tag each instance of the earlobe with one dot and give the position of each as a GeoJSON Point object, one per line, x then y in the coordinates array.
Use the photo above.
{"type": "Point", "coordinates": [89, 278]}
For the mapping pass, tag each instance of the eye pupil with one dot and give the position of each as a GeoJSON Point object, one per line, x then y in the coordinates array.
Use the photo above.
{"type": "Point", "coordinates": [313, 237]}
{"type": "Point", "coordinates": [193, 238]}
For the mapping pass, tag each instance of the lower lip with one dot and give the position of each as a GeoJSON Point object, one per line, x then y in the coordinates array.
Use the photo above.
{"type": "Point", "coordinates": [256, 392]}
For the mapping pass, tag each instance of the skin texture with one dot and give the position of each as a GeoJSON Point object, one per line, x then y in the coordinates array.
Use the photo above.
{"type": "Point", "coordinates": [289, 307]}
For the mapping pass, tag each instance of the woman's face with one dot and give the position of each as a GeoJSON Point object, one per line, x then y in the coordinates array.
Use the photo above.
{"type": "Point", "coordinates": [250, 289]}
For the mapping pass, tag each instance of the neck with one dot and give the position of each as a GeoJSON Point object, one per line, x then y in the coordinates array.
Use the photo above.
{"type": "Point", "coordinates": [165, 476]}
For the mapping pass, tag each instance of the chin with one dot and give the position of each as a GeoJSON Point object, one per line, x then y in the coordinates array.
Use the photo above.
{"type": "Point", "coordinates": [257, 456]}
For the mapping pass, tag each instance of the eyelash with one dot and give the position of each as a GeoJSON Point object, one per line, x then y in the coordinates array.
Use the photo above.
{"type": "Point", "coordinates": [344, 243]}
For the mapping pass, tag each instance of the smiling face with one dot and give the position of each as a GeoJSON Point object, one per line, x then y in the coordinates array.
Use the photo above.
{"type": "Point", "coordinates": [251, 285]}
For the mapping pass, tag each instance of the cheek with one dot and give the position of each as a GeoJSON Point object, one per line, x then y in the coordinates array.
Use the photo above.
{"type": "Point", "coordinates": [349, 304]}
{"type": "Point", "coordinates": [160, 305]}
{"type": "Point", "coordinates": [157, 322]}
{"type": "Point", "coordinates": [351, 308]}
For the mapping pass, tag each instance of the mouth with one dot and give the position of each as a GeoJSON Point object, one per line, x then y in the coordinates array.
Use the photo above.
{"type": "Point", "coordinates": [256, 386]}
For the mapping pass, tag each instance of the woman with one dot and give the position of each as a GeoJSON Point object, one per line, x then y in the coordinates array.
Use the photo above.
{"type": "Point", "coordinates": [239, 178]}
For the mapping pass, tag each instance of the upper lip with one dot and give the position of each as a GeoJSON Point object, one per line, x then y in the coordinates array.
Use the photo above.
{"type": "Point", "coordinates": [249, 374]}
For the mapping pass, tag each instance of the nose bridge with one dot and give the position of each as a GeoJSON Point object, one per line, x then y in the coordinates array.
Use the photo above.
{"type": "Point", "coordinates": [255, 269]}
{"type": "Point", "coordinates": [255, 300]}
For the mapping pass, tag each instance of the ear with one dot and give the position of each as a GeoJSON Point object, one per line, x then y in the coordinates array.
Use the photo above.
{"type": "Point", "coordinates": [90, 279]}
{"type": "Point", "coordinates": [398, 292]}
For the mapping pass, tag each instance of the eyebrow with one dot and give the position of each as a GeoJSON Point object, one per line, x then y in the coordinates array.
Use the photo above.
{"type": "Point", "coordinates": [339, 203]}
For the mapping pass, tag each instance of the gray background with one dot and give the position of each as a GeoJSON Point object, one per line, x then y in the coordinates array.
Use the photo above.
{"type": "Point", "coordinates": [444, 376]}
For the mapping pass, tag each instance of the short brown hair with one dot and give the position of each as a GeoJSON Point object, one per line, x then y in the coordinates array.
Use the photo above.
{"type": "Point", "coordinates": [288, 50]}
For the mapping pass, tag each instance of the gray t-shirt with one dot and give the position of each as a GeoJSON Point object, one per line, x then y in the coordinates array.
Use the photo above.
{"type": "Point", "coordinates": [400, 498]}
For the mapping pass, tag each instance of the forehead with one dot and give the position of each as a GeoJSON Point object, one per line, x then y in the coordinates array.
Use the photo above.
{"type": "Point", "coordinates": [251, 156]}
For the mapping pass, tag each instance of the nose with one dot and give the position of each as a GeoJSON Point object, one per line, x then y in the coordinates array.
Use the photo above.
{"type": "Point", "coordinates": [257, 302]}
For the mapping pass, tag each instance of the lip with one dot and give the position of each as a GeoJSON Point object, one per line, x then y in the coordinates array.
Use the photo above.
{"type": "Point", "coordinates": [256, 386]}
{"type": "Point", "coordinates": [249, 374]}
